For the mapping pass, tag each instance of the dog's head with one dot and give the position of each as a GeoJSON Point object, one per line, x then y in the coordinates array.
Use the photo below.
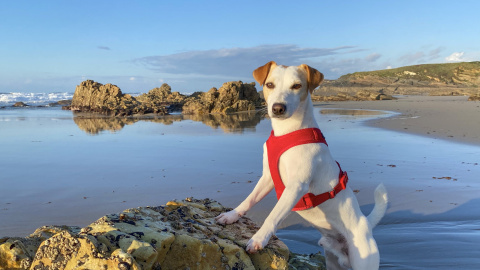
{"type": "Point", "coordinates": [285, 88]}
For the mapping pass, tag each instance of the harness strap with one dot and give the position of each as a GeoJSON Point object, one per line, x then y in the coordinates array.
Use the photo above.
{"type": "Point", "coordinates": [277, 145]}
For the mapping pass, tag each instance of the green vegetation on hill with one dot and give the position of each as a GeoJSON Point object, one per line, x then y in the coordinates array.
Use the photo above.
{"type": "Point", "coordinates": [464, 73]}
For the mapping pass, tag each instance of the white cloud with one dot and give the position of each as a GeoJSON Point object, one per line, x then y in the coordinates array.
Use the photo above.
{"type": "Point", "coordinates": [456, 57]}
{"type": "Point", "coordinates": [132, 79]}
{"type": "Point", "coordinates": [238, 62]}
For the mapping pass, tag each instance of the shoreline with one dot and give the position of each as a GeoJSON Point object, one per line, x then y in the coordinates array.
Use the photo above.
{"type": "Point", "coordinates": [150, 163]}
{"type": "Point", "coordinates": [450, 118]}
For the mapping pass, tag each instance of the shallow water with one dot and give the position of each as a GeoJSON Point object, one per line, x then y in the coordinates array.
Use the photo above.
{"type": "Point", "coordinates": [57, 168]}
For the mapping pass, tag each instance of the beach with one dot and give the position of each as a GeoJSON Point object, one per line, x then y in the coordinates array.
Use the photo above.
{"type": "Point", "coordinates": [425, 150]}
{"type": "Point", "coordinates": [452, 118]}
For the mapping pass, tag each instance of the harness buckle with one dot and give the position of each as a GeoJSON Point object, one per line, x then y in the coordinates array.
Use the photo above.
{"type": "Point", "coordinates": [332, 193]}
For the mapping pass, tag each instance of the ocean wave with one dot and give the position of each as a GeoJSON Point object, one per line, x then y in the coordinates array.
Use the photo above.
{"type": "Point", "coordinates": [34, 99]}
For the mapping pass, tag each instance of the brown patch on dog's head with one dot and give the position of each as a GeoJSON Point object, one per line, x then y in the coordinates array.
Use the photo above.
{"type": "Point", "coordinates": [260, 74]}
{"type": "Point", "coordinates": [314, 77]}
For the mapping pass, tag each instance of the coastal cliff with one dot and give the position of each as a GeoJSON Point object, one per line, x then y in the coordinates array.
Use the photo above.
{"type": "Point", "coordinates": [431, 79]}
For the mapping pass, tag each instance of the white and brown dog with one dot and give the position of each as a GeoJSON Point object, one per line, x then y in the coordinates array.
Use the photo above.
{"type": "Point", "coordinates": [307, 167]}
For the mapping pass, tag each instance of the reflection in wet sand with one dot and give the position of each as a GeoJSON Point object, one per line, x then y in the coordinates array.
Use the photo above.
{"type": "Point", "coordinates": [231, 123]}
{"type": "Point", "coordinates": [95, 125]}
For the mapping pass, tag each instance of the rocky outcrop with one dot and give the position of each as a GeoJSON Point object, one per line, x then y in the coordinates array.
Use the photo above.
{"type": "Point", "coordinates": [108, 99]}
{"type": "Point", "coordinates": [65, 102]}
{"type": "Point", "coordinates": [105, 99]}
{"type": "Point", "coordinates": [307, 262]}
{"type": "Point", "coordinates": [20, 104]}
{"type": "Point", "coordinates": [361, 95]}
{"type": "Point", "coordinates": [163, 97]}
{"type": "Point", "coordinates": [179, 235]}
{"type": "Point", "coordinates": [231, 97]}
{"type": "Point", "coordinates": [474, 97]}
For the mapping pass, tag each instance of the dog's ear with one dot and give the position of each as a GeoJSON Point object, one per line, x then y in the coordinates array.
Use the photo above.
{"type": "Point", "coordinates": [260, 74]}
{"type": "Point", "coordinates": [314, 77]}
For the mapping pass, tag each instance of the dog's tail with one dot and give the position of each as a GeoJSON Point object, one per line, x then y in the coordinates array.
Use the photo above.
{"type": "Point", "coordinates": [381, 202]}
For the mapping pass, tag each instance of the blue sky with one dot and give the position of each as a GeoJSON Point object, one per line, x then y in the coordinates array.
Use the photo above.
{"type": "Point", "coordinates": [51, 46]}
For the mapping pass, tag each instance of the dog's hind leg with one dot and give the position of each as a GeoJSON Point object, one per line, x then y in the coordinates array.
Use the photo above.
{"type": "Point", "coordinates": [362, 249]}
{"type": "Point", "coordinates": [332, 262]}
{"type": "Point", "coordinates": [361, 261]}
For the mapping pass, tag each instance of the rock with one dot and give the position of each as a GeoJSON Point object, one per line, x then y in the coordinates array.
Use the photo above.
{"type": "Point", "coordinates": [179, 235]}
{"type": "Point", "coordinates": [201, 103]}
{"type": "Point", "coordinates": [18, 253]}
{"type": "Point", "coordinates": [360, 95]}
{"type": "Point", "coordinates": [474, 97]}
{"type": "Point", "coordinates": [231, 97]}
{"type": "Point", "coordinates": [106, 99]}
{"type": "Point", "coordinates": [20, 104]}
{"type": "Point", "coordinates": [162, 97]}
{"type": "Point", "coordinates": [307, 262]}
{"type": "Point", "coordinates": [66, 102]}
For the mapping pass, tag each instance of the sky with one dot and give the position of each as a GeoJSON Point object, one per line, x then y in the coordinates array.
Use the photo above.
{"type": "Point", "coordinates": [52, 46]}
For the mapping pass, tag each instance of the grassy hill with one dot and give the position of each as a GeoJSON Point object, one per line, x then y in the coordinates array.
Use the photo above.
{"type": "Point", "coordinates": [465, 73]}
{"type": "Point", "coordinates": [428, 79]}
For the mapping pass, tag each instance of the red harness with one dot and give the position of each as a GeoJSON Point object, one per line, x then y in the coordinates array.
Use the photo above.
{"type": "Point", "coordinates": [277, 145]}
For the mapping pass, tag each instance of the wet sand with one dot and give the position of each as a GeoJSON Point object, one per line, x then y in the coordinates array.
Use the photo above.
{"type": "Point", "coordinates": [446, 117]}
{"type": "Point", "coordinates": [55, 172]}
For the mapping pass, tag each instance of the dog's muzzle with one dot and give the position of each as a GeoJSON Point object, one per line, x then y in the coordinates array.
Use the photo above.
{"type": "Point", "coordinates": [279, 109]}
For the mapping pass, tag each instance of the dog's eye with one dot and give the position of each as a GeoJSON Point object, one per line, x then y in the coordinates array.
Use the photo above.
{"type": "Point", "coordinates": [296, 86]}
{"type": "Point", "coordinates": [270, 85]}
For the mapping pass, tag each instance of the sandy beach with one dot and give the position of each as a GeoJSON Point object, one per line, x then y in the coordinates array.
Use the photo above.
{"type": "Point", "coordinates": [59, 173]}
{"type": "Point", "coordinates": [452, 118]}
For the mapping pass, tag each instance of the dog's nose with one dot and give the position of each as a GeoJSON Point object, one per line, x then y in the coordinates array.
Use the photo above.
{"type": "Point", "coordinates": [279, 108]}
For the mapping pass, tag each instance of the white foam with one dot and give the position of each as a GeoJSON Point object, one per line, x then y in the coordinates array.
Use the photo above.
{"type": "Point", "coordinates": [35, 99]}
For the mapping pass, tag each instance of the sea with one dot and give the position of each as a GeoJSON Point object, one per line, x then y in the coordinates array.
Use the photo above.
{"type": "Point", "coordinates": [62, 168]}
{"type": "Point", "coordinates": [33, 99]}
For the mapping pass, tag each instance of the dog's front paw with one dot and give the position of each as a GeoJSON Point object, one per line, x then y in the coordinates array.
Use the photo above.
{"type": "Point", "coordinates": [256, 243]}
{"type": "Point", "coordinates": [228, 217]}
